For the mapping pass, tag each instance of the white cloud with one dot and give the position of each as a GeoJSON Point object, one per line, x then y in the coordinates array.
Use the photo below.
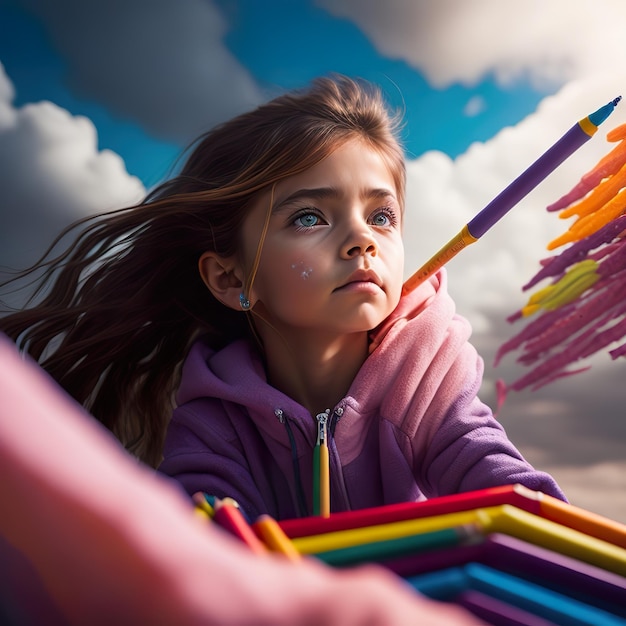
{"type": "Point", "coordinates": [461, 41]}
{"type": "Point", "coordinates": [51, 173]}
{"type": "Point", "coordinates": [474, 106]}
{"type": "Point", "coordinates": [161, 63]}
{"type": "Point", "coordinates": [7, 94]}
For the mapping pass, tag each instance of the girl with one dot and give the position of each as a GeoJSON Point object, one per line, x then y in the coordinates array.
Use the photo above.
{"type": "Point", "coordinates": [272, 265]}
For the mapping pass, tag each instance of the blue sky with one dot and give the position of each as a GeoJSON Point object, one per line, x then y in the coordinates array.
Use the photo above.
{"type": "Point", "coordinates": [97, 99]}
{"type": "Point", "coordinates": [263, 35]}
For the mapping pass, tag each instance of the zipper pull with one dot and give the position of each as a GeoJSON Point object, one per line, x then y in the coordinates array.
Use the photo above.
{"type": "Point", "coordinates": [321, 468]}
{"type": "Point", "coordinates": [322, 427]}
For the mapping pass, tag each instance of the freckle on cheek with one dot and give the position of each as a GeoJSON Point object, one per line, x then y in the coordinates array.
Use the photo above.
{"type": "Point", "coordinates": [305, 272]}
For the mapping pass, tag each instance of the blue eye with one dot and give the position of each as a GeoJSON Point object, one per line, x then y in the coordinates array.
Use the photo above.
{"type": "Point", "coordinates": [307, 220]}
{"type": "Point", "coordinates": [384, 217]}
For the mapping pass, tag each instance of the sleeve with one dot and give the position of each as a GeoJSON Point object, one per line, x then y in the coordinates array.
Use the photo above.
{"type": "Point", "coordinates": [470, 450]}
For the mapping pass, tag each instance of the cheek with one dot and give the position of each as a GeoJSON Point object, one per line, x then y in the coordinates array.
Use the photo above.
{"type": "Point", "coordinates": [393, 254]}
{"type": "Point", "coordinates": [302, 270]}
{"type": "Point", "coordinates": [395, 264]}
{"type": "Point", "coordinates": [296, 275]}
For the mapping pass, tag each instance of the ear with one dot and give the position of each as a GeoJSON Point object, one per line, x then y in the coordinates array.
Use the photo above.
{"type": "Point", "coordinates": [222, 277]}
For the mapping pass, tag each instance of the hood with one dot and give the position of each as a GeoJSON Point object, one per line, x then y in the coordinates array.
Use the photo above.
{"type": "Point", "coordinates": [235, 374]}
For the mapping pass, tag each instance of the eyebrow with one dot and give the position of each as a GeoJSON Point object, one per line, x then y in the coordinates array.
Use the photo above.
{"type": "Point", "coordinates": [322, 193]}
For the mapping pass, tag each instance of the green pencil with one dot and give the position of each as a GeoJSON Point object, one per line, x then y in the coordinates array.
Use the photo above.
{"type": "Point", "coordinates": [399, 546]}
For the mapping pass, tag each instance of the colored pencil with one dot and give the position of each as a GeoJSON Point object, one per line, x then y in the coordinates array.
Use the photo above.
{"type": "Point", "coordinates": [202, 504]}
{"type": "Point", "coordinates": [231, 519]}
{"type": "Point", "coordinates": [548, 604]}
{"type": "Point", "coordinates": [518, 557]}
{"type": "Point", "coordinates": [553, 570]}
{"type": "Point", "coordinates": [321, 469]}
{"type": "Point", "coordinates": [496, 612]}
{"type": "Point", "coordinates": [580, 519]}
{"type": "Point", "coordinates": [307, 526]}
{"type": "Point", "coordinates": [517, 495]}
{"type": "Point", "coordinates": [504, 518]}
{"type": "Point", "coordinates": [324, 481]}
{"type": "Point", "coordinates": [272, 535]}
{"type": "Point", "coordinates": [573, 139]}
{"type": "Point", "coordinates": [516, 522]}
{"type": "Point", "coordinates": [401, 546]}
{"type": "Point", "coordinates": [316, 544]}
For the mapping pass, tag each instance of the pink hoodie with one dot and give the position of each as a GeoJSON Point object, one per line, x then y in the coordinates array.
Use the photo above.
{"type": "Point", "coordinates": [410, 427]}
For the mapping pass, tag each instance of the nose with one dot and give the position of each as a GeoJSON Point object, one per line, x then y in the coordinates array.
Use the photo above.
{"type": "Point", "coordinates": [360, 241]}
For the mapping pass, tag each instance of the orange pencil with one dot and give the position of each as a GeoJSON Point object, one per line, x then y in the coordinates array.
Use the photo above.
{"type": "Point", "coordinates": [231, 519]}
{"type": "Point", "coordinates": [270, 532]}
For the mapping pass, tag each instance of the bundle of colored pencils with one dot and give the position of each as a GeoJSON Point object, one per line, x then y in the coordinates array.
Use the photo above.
{"type": "Point", "coordinates": [508, 554]}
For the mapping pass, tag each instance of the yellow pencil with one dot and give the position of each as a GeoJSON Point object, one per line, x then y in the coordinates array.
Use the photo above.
{"type": "Point", "coordinates": [321, 468]}
{"type": "Point", "coordinates": [202, 504]}
{"type": "Point", "coordinates": [358, 536]}
{"type": "Point", "coordinates": [516, 522]}
{"type": "Point", "coordinates": [506, 519]}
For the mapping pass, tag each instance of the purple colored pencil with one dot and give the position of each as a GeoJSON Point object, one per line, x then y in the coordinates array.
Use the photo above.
{"type": "Point", "coordinates": [573, 139]}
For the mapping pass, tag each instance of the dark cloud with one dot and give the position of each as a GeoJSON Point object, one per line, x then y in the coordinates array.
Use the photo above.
{"type": "Point", "coordinates": [160, 63]}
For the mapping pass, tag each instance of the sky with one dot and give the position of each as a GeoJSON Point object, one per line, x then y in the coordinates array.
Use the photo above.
{"type": "Point", "coordinates": [98, 99]}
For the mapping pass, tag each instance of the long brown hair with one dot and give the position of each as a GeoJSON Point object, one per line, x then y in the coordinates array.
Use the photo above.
{"type": "Point", "coordinates": [119, 308]}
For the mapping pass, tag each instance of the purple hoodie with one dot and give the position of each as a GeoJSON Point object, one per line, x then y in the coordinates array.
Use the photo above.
{"type": "Point", "coordinates": [411, 426]}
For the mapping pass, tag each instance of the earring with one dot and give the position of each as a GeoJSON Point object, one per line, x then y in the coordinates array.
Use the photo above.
{"type": "Point", "coordinates": [244, 302]}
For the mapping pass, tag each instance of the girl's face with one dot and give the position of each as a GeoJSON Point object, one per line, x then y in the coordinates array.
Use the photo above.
{"type": "Point", "coordinates": [332, 259]}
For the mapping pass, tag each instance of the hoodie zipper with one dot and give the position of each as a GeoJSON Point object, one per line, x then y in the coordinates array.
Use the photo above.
{"type": "Point", "coordinates": [321, 467]}
{"type": "Point", "coordinates": [324, 432]}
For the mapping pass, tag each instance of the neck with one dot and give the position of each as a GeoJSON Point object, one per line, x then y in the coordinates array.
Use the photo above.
{"type": "Point", "coordinates": [315, 371]}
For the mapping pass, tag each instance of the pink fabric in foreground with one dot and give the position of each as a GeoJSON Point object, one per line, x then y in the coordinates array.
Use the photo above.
{"type": "Point", "coordinates": [113, 543]}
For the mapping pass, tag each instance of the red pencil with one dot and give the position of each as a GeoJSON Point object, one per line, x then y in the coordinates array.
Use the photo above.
{"type": "Point", "coordinates": [531, 501]}
{"type": "Point", "coordinates": [231, 519]}
{"type": "Point", "coordinates": [307, 526]}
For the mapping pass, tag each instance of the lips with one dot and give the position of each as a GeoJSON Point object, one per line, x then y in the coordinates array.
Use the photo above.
{"type": "Point", "coordinates": [362, 276]}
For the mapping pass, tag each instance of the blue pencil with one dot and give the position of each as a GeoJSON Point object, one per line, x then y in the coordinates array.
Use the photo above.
{"type": "Point", "coordinates": [553, 606]}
